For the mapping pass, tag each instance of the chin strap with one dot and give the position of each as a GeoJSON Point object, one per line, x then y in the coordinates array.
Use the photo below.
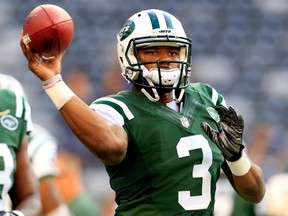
{"type": "Point", "coordinates": [178, 99]}
{"type": "Point", "coordinates": [149, 96]}
{"type": "Point", "coordinates": [156, 95]}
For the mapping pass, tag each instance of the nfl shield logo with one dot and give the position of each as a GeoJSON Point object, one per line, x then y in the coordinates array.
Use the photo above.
{"type": "Point", "coordinates": [185, 122]}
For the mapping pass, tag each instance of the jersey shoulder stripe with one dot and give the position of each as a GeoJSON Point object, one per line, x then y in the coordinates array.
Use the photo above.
{"type": "Point", "coordinates": [208, 91]}
{"type": "Point", "coordinates": [114, 111]}
{"type": "Point", "coordinates": [118, 105]}
{"type": "Point", "coordinates": [111, 115]}
{"type": "Point", "coordinates": [20, 106]}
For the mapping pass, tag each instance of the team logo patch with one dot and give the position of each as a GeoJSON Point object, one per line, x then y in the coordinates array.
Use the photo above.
{"type": "Point", "coordinates": [213, 113]}
{"type": "Point", "coordinates": [9, 122]}
{"type": "Point", "coordinates": [127, 29]}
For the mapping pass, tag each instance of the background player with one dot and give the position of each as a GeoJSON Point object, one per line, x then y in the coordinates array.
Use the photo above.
{"type": "Point", "coordinates": [42, 152]}
{"type": "Point", "coordinates": [17, 176]}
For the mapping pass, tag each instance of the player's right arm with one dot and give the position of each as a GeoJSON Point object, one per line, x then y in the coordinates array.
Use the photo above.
{"type": "Point", "coordinates": [108, 143]}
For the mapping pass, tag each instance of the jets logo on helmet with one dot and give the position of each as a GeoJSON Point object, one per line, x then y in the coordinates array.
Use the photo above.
{"type": "Point", "coordinates": [127, 29]}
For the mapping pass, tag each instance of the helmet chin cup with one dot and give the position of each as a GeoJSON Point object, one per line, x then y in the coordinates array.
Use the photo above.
{"type": "Point", "coordinates": [163, 77]}
{"type": "Point", "coordinates": [171, 78]}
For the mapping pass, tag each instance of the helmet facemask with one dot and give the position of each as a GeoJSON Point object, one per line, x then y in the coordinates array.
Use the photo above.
{"type": "Point", "coordinates": [157, 79]}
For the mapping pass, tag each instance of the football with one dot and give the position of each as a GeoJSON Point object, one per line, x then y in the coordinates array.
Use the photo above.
{"type": "Point", "coordinates": [48, 30]}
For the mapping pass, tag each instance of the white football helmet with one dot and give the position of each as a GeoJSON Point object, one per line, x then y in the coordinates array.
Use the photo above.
{"type": "Point", "coordinates": [154, 28]}
{"type": "Point", "coordinates": [10, 82]}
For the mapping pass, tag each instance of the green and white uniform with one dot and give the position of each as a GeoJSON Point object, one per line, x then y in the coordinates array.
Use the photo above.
{"type": "Point", "coordinates": [42, 152]}
{"type": "Point", "coordinates": [171, 166]}
{"type": "Point", "coordinates": [15, 121]}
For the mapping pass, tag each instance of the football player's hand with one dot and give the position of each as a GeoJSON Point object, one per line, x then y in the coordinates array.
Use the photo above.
{"type": "Point", "coordinates": [4, 213]}
{"type": "Point", "coordinates": [229, 137]}
{"type": "Point", "coordinates": [43, 68]}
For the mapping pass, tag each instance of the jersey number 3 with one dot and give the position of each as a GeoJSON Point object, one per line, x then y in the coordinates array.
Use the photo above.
{"type": "Point", "coordinates": [184, 147]}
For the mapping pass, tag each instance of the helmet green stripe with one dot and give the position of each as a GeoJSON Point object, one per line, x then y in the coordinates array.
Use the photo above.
{"type": "Point", "coordinates": [168, 20]}
{"type": "Point", "coordinates": [154, 20]}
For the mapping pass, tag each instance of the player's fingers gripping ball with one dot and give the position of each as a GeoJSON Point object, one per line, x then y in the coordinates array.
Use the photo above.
{"type": "Point", "coordinates": [48, 30]}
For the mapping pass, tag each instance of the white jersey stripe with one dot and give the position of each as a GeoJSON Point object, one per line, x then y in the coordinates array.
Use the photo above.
{"type": "Point", "coordinates": [20, 109]}
{"type": "Point", "coordinates": [126, 110]}
{"type": "Point", "coordinates": [19, 106]}
{"type": "Point", "coordinates": [214, 96]}
{"type": "Point", "coordinates": [28, 117]}
{"type": "Point", "coordinates": [111, 115]}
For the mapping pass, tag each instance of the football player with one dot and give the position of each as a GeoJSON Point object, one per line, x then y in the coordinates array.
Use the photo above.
{"type": "Point", "coordinates": [164, 141]}
{"type": "Point", "coordinates": [16, 176]}
{"type": "Point", "coordinates": [42, 152]}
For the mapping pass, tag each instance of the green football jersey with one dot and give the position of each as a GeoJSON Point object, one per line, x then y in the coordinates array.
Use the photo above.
{"type": "Point", "coordinates": [171, 166]}
{"type": "Point", "coordinates": [15, 121]}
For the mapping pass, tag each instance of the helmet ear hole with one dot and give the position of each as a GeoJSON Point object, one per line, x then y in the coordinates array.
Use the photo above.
{"type": "Point", "coordinates": [121, 59]}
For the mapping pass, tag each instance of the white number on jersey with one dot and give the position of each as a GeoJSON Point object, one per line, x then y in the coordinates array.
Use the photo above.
{"type": "Point", "coordinates": [185, 145]}
{"type": "Point", "coordinates": [6, 168]}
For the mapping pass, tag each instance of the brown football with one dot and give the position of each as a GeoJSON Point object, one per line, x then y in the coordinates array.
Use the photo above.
{"type": "Point", "coordinates": [48, 30]}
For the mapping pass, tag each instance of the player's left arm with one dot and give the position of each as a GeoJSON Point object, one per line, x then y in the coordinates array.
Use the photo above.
{"type": "Point", "coordinates": [24, 194]}
{"type": "Point", "coordinates": [244, 175]}
{"type": "Point", "coordinates": [249, 186]}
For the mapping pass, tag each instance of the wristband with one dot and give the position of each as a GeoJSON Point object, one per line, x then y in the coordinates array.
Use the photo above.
{"type": "Point", "coordinates": [18, 213]}
{"type": "Point", "coordinates": [59, 93]}
{"type": "Point", "coordinates": [52, 81]}
{"type": "Point", "coordinates": [241, 166]}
